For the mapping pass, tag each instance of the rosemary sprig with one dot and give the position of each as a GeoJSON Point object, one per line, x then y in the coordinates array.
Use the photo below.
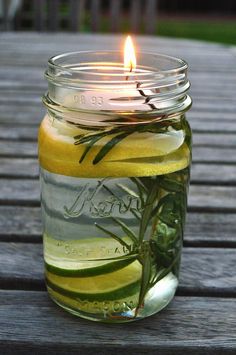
{"type": "Point", "coordinates": [146, 263]}
{"type": "Point", "coordinates": [131, 210]}
{"type": "Point", "coordinates": [113, 235]}
{"type": "Point", "coordinates": [126, 230]}
{"type": "Point", "coordinates": [109, 145]}
{"type": "Point", "coordinates": [163, 205]}
{"type": "Point", "coordinates": [121, 132]}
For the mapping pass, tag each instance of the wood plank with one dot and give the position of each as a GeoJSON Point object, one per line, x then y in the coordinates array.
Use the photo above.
{"type": "Point", "coordinates": [216, 126]}
{"type": "Point", "coordinates": [213, 174]}
{"type": "Point", "coordinates": [28, 90]}
{"type": "Point", "coordinates": [16, 258]}
{"type": "Point", "coordinates": [214, 155]}
{"type": "Point", "coordinates": [20, 224]}
{"type": "Point", "coordinates": [23, 224]}
{"type": "Point", "coordinates": [211, 82]}
{"type": "Point", "coordinates": [23, 192]}
{"type": "Point", "coordinates": [18, 149]}
{"type": "Point", "coordinates": [31, 117]}
{"type": "Point", "coordinates": [23, 149]}
{"type": "Point", "coordinates": [206, 90]}
{"type": "Point", "coordinates": [201, 155]}
{"type": "Point", "coordinates": [39, 59]}
{"type": "Point", "coordinates": [210, 229]}
{"type": "Point", "coordinates": [203, 270]}
{"type": "Point", "coordinates": [173, 47]}
{"type": "Point", "coordinates": [202, 52]}
{"type": "Point", "coordinates": [202, 197]}
{"type": "Point", "coordinates": [201, 104]}
{"type": "Point", "coordinates": [214, 140]}
{"type": "Point", "coordinates": [30, 323]}
{"type": "Point", "coordinates": [27, 168]}
{"type": "Point", "coordinates": [217, 49]}
{"type": "Point", "coordinates": [212, 198]}
{"type": "Point", "coordinates": [29, 133]}
{"type": "Point", "coordinates": [201, 122]}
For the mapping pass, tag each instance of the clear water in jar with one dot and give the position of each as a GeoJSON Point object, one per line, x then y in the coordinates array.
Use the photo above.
{"type": "Point", "coordinates": [112, 245]}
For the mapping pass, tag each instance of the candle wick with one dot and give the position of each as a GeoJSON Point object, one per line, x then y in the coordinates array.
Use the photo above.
{"type": "Point", "coordinates": [147, 98]}
{"type": "Point", "coordinates": [131, 68]}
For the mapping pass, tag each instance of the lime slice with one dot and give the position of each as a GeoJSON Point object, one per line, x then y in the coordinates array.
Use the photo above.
{"type": "Point", "coordinates": [101, 268]}
{"type": "Point", "coordinates": [126, 304]}
{"type": "Point", "coordinates": [115, 285]}
{"type": "Point", "coordinates": [140, 154]}
{"type": "Point", "coordinates": [88, 257]}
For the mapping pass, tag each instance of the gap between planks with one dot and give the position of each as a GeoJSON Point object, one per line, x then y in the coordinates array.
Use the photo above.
{"type": "Point", "coordinates": [32, 324]}
{"type": "Point", "coordinates": [204, 271]}
{"type": "Point", "coordinates": [23, 224]}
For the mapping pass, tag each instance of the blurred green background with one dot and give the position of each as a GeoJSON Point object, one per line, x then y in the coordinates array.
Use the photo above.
{"type": "Point", "coordinates": [210, 20]}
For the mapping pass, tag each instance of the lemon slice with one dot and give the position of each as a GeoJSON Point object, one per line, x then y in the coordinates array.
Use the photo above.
{"type": "Point", "coordinates": [140, 154]}
{"type": "Point", "coordinates": [115, 285]}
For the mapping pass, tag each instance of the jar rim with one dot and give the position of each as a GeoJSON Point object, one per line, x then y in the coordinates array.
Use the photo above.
{"type": "Point", "coordinates": [72, 66]}
{"type": "Point", "coordinates": [97, 81]}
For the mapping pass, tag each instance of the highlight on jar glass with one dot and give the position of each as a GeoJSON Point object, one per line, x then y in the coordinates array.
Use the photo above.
{"type": "Point", "coordinates": [115, 154]}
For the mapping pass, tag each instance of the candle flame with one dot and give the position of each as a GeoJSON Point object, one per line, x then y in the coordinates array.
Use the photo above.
{"type": "Point", "coordinates": [129, 55]}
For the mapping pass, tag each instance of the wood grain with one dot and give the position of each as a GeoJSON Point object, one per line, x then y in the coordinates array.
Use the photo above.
{"type": "Point", "coordinates": [224, 154]}
{"type": "Point", "coordinates": [201, 320]}
{"type": "Point", "coordinates": [33, 100]}
{"type": "Point", "coordinates": [30, 323]}
{"type": "Point", "coordinates": [23, 132]}
{"type": "Point", "coordinates": [201, 273]}
{"type": "Point", "coordinates": [201, 56]}
{"type": "Point", "coordinates": [20, 224]}
{"type": "Point", "coordinates": [214, 174]}
{"type": "Point", "coordinates": [23, 224]}
{"type": "Point", "coordinates": [207, 198]}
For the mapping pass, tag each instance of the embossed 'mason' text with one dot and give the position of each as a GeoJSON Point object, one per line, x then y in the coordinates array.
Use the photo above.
{"type": "Point", "coordinates": [88, 200]}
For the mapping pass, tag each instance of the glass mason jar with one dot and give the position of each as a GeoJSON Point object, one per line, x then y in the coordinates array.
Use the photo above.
{"type": "Point", "coordinates": [115, 152]}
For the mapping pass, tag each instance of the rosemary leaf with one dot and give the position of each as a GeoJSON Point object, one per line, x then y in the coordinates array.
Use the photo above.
{"type": "Point", "coordinates": [139, 184]}
{"type": "Point", "coordinates": [87, 148]}
{"type": "Point", "coordinates": [126, 230]}
{"type": "Point", "coordinates": [141, 189]}
{"type": "Point", "coordinates": [148, 208]}
{"type": "Point", "coordinates": [114, 236]}
{"type": "Point", "coordinates": [128, 190]}
{"type": "Point", "coordinates": [171, 185]}
{"type": "Point", "coordinates": [131, 209]}
{"type": "Point", "coordinates": [89, 137]}
{"type": "Point", "coordinates": [135, 214]}
{"type": "Point", "coordinates": [78, 137]}
{"type": "Point", "coordinates": [165, 271]}
{"type": "Point", "coordinates": [145, 284]}
{"type": "Point", "coordinates": [109, 145]}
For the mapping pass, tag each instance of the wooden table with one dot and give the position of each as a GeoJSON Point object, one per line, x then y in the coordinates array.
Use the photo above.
{"type": "Point", "coordinates": [202, 317]}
